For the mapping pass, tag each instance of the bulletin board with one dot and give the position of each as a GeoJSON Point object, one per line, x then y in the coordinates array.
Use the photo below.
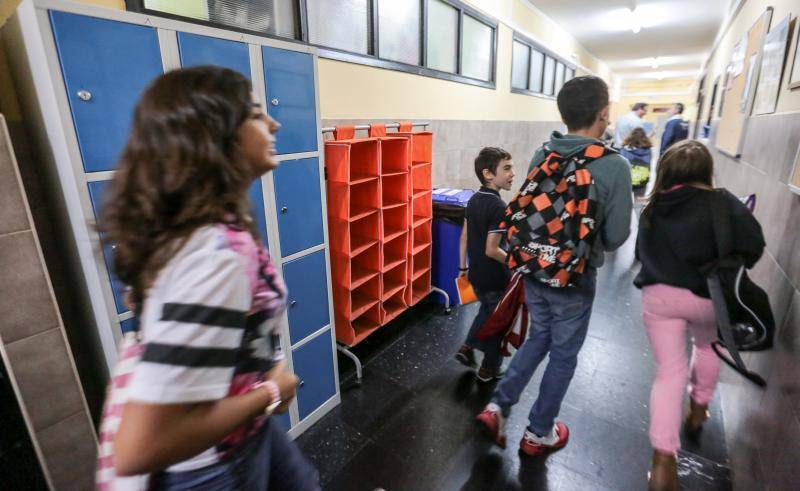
{"type": "Point", "coordinates": [741, 89]}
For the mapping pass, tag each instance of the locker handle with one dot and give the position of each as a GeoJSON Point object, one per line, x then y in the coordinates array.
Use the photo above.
{"type": "Point", "coordinates": [275, 102]}
{"type": "Point", "coordinates": [84, 95]}
{"type": "Point", "coordinates": [284, 210]}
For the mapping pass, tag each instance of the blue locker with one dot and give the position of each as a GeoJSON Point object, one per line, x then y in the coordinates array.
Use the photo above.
{"type": "Point", "coordinates": [283, 420]}
{"type": "Point", "coordinates": [290, 98]}
{"type": "Point", "coordinates": [299, 204]}
{"type": "Point", "coordinates": [106, 66]}
{"type": "Point", "coordinates": [96, 191]}
{"type": "Point", "coordinates": [307, 281]}
{"type": "Point", "coordinates": [129, 324]}
{"type": "Point", "coordinates": [203, 50]}
{"type": "Point", "coordinates": [313, 365]}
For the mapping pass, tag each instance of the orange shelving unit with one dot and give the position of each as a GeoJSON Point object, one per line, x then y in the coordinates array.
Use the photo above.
{"type": "Point", "coordinates": [380, 213]}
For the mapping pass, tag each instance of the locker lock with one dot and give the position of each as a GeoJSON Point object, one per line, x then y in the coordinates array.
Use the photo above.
{"type": "Point", "coordinates": [284, 210]}
{"type": "Point", "coordinates": [275, 102]}
{"type": "Point", "coordinates": [301, 383]}
{"type": "Point", "coordinates": [84, 95]}
{"type": "Point", "coordinates": [292, 303]}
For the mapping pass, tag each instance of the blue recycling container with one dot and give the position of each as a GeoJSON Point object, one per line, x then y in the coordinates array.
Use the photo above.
{"type": "Point", "coordinates": [449, 206]}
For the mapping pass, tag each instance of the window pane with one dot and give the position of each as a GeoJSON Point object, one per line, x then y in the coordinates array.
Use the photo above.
{"type": "Point", "coordinates": [537, 66]}
{"type": "Point", "coordinates": [519, 66]}
{"type": "Point", "coordinates": [399, 30]}
{"type": "Point", "coordinates": [569, 74]}
{"type": "Point", "coordinates": [342, 24]}
{"type": "Point", "coordinates": [442, 36]}
{"type": "Point", "coordinates": [549, 75]}
{"type": "Point", "coordinates": [559, 77]}
{"type": "Point", "coordinates": [476, 49]}
{"type": "Point", "coordinates": [276, 17]}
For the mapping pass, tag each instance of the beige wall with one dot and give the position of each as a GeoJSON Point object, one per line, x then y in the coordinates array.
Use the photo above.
{"type": "Point", "coordinates": [656, 93]}
{"type": "Point", "coordinates": [788, 100]}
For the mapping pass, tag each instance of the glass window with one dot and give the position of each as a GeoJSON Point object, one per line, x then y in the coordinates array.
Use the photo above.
{"type": "Point", "coordinates": [399, 30]}
{"type": "Point", "coordinates": [549, 75]}
{"type": "Point", "coordinates": [519, 65]}
{"type": "Point", "coordinates": [559, 77]}
{"type": "Point", "coordinates": [278, 17]}
{"type": "Point", "coordinates": [569, 74]}
{"type": "Point", "coordinates": [442, 36]}
{"type": "Point", "coordinates": [343, 24]}
{"type": "Point", "coordinates": [476, 49]}
{"type": "Point", "coordinates": [537, 68]}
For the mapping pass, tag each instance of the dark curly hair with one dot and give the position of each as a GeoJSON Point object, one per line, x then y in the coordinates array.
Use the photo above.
{"type": "Point", "coordinates": [637, 139]}
{"type": "Point", "coordinates": [179, 171]}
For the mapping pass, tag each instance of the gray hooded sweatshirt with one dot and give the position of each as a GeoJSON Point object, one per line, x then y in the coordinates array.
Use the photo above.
{"type": "Point", "coordinates": [612, 178]}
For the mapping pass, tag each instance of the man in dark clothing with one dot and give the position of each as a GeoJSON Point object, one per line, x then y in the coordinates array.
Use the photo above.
{"type": "Point", "coordinates": [676, 130]}
{"type": "Point", "coordinates": [481, 243]}
{"type": "Point", "coordinates": [560, 316]}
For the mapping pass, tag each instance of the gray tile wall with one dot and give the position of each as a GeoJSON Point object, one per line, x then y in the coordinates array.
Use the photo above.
{"type": "Point", "coordinates": [38, 357]}
{"type": "Point", "coordinates": [762, 427]}
{"type": "Point", "coordinates": [456, 143]}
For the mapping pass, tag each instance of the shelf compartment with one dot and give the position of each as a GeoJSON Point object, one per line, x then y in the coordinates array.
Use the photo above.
{"type": "Point", "coordinates": [421, 146]}
{"type": "Point", "coordinates": [394, 222]}
{"type": "Point", "coordinates": [393, 281]}
{"type": "Point", "coordinates": [353, 332]}
{"type": "Point", "coordinates": [421, 262]}
{"type": "Point", "coordinates": [395, 155]}
{"type": "Point", "coordinates": [422, 234]}
{"type": "Point", "coordinates": [353, 201]}
{"type": "Point", "coordinates": [364, 233]}
{"type": "Point", "coordinates": [350, 272]}
{"type": "Point", "coordinates": [394, 252]}
{"type": "Point", "coordinates": [421, 178]}
{"type": "Point", "coordinates": [392, 307]}
{"type": "Point", "coordinates": [394, 190]}
{"type": "Point", "coordinates": [422, 206]}
{"type": "Point", "coordinates": [418, 221]}
{"type": "Point", "coordinates": [421, 287]}
{"type": "Point", "coordinates": [351, 161]}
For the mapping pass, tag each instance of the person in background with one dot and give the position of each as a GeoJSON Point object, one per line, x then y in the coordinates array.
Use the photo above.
{"type": "Point", "coordinates": [481, 239]}
{"type": "Point", "coordinates": [627, 123]}
{"type": "Point", "coordinates": [676, 238]}
{"type": "Point", "coordinates": [676, 129]}
{"type": "Point", "coordinates": [200, 398]}
{"type": "Point", "coordinates": [638, 149]}
{"type": "Point", "coordinates": [560, 316]}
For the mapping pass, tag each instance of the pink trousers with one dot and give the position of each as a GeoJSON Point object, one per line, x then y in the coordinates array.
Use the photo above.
{"type": "Point", "coordinates": [669, 314]}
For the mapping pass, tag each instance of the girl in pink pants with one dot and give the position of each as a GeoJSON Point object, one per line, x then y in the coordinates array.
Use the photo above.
{"type": "Point", "coordinates": [675, 240]}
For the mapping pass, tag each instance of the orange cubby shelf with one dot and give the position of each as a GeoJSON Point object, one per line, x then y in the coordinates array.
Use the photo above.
{"type": "Point", "coordinates": [394, 252]}
{"type": "Point", "coordinates": [351, 202]}
{"type": "Point", "coordinates": [392, 307]}
{"type": "Point", "coordinates": [420, 287]}
{"type": "Point", "coordinates": [421, 146]}
{"type": "Point", "coordinates": [351, 271]}
{"type": "Point", "coordinates": [422, 234]}
{"type": "Point", "coordinates": [394, 190]}
{"type": "Point", "coordinates": [421, 178]}
{"type": "Point", "coordinates": [351, 304]}
{"type": "Point", "coordinates": [394, 222]}
{"type": "Point", "coordinates": [352, 161]}
{"type": "Point", "coordinates": [395, 155]}
{"type": "Point", "coordinates": [393, 281]}
{"type": "Point", "coordinates": [421, 262]}
{"type": "Point", "coordinates": [352, 332]}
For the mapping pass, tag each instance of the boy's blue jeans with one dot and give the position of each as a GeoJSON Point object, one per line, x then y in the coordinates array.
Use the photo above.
{"type": "Point", "coordinates": [492, 358]}
{"type": "Point", "coordinates": [559, 321]}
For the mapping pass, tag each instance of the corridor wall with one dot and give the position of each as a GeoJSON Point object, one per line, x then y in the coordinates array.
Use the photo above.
{"type": "Point", "coordinates": [762, 428]}
{"type": "Point", "coordinates": [80, 70]}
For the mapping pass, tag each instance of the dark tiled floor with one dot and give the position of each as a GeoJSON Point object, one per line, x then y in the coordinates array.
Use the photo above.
{"type": "Point", "coordinates": [410, 425]}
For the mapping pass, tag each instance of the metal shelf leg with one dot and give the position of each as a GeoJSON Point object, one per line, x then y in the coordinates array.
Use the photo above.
{"type": "Point", "coordinates": [359, 370]}
{"type": "Point", "coordinates": [443, 293]}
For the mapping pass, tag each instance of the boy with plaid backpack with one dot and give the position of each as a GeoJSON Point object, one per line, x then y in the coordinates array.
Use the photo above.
{"type": "Point", "coordinates": [574, 205]}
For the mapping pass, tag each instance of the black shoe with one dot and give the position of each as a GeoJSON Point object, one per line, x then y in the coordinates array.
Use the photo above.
{"type": "Point", "coordinates": [466, 356]}
{"type": "Point", "coordinates": [484, 375]}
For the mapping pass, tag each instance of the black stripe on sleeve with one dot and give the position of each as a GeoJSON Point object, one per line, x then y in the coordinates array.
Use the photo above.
{"type": "Point", "coordinates": [191, 313]}
{"type": "Point", "coordinates": [185, 356]}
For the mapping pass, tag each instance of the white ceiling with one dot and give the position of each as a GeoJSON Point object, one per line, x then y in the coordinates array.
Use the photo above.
{"type": "Point", "coordinates": [679, 33]}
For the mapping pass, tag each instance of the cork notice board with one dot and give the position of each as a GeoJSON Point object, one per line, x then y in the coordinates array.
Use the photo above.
{"type": "Point", "coordinates": [741, 89]}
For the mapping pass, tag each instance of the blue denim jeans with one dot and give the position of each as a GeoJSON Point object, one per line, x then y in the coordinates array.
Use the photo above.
{"type": "Point", "coordinates": [492, 359]}
{"type": "Point", "coordinates": [270, 461]}
{"type": "Point", "coordinates": [559, 321]}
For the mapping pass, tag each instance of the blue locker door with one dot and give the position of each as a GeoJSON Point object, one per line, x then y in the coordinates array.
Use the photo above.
{"type": "Point", "coordinates": [299, 205]}
{"type": "Point", "coordinates": [307, 282]}
{"type": "Point", "coordinates": [203, 50]}
{"type": "Point", "coordinates": [96, 191]}
{"type": "Point", "coordinates": [313, 365]}
{"type": "Point", "coordinates": [106, 66]}
{"type": "Point", "coordinates": [291, 98]}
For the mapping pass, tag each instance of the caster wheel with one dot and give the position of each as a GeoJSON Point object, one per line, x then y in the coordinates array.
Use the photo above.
{"type": "Point", "coordinates": [448, 311]}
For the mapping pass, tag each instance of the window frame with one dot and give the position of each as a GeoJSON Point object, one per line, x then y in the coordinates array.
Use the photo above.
{"type": "Point", "coordinates": [371, 58]}
{"type": "Point", "coordinates": [533, 45]}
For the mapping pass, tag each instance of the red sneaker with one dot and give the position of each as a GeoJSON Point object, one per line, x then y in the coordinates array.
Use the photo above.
{"type": "Point", "coordinates": [530, 446]}
{"type": "Point", "coordinates": [492, 419]}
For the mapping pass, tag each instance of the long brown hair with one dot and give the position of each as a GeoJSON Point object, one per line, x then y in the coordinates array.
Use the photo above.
{"type": "Point", "coordinates": [179, 171]}
{"type": "Point", "coordinates": [637, 139]}
{"type": "Point", "coordinates": [687, 162]}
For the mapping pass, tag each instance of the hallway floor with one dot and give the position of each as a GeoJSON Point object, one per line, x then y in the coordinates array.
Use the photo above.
{"type": "Point", "coordinates": [410, 425]}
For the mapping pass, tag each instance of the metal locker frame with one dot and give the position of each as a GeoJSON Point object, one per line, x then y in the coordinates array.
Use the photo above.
{"type": "Point", "coordinates": [44, 99]}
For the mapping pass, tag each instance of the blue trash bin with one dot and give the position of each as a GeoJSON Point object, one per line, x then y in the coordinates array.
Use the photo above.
{"type": "Point", "coordinates": [449, 206]}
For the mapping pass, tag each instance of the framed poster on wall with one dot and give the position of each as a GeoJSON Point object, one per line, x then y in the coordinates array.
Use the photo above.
{"type": "Point", "coordinates": [794, 75]}
{"type": "Point", "coordinates": [769, 80]}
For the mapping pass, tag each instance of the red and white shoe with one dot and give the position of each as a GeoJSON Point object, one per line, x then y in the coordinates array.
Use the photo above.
{"type": "Point", "coordinates": [492, 419]}
{"type": "Point", "coordinates": [532, 445]}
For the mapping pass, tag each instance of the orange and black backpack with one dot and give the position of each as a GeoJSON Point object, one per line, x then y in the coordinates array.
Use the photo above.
{"type": "Point", "coordinates": [550, 223]}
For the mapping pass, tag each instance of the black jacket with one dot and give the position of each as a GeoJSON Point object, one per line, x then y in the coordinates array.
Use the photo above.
{"type": "Point", "coordinates": [677, 239]}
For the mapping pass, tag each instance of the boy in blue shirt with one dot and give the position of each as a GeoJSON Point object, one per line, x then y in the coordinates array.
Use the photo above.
{"type": "Point", "coordinates": [481, 239]}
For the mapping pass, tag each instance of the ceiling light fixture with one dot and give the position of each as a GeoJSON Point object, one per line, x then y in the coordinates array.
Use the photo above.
{"type": "Point", "coordinates": [654, 63]}
{"type": "Point", "coordinates": [635, 23]}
